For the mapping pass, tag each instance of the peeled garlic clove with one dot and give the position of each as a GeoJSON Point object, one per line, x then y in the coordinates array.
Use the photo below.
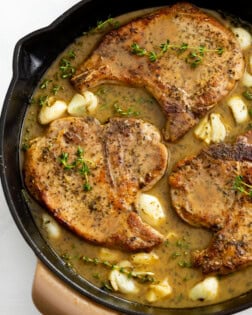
{"type": "Point", "coordinates": [203, 130]}
{"type": "Point", "coordinates": [150, 209]}
{"type": "Point", "coordinates": [244, 37]}
{"type": "Point", "coordinates": [239, 109]}
{"type": "Point", "coordinates": [158, 291]}
{"type": "Point", "coordinates": [91, 101]}
{"type": "Point", "coordinates": [206, 290]}
{"type": "Point", "coordinates": [51, 226]}
{"type": "Point", "coordinates": [122, 283]}
{"type": "Point", "coordinates": [77, 105]}
{"type": "Point", "coordinates": [49, 113]}
{"type": "Point", "coordinates": [144, 258]}
{"type": "Point", "coordinates": [247, 79]}
{"type": "Point", "coordinates": [218, 128]}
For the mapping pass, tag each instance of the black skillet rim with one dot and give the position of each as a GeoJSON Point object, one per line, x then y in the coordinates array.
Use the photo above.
{"type": "Point", "coordinates": [10, 128]}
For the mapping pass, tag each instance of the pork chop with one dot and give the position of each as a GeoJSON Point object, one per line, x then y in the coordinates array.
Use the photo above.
{"type": "Point", "coordinates": [89, 175]}
{"type": "Point", "coordinates": [211, 190]}
{"type": "Point", "coordinates": [185, 89]}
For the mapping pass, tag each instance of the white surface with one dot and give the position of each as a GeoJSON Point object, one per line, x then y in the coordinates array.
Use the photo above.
{"type": "Point", "coordinates": [17, 262]}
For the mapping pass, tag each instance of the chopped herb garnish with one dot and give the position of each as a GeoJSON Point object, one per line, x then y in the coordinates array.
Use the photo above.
{"type": "Point", "coordinates": [248, 95]}
{"type": "Point", "coordinates": [64, 161]}
{"type": "Point", "coordinates": [106, 286]}
{"type": "Point", "coordinates": [194, 57]}
{"type": "Point", "coordinates": [152, 56]}
{"type": "Point", "coordinates": [137, 50]}
{"type": "Point", "coordinates": [79, 164]}
{"type": "Point", "coordinates": [141, 277]}
{"type": "Point", "coordinates": [220, 51]}
{"type": "Point", "coordinates": [25, 146]}
{"type": "Point", "coordinates": [182, 48]}
{"type": "Point", "coordinates": [175, 255]}
{"type": "Point", "coordinates": [185, 264]}
{"type": "Point", "coordinates": [109, 23]}
{"type": "Point", "coordinates": [66, 69]}
{"type": "Point", "coordinates": [128, 112]}
{"type": "Point", "coordinates": [43, 100]}
{"type": "Point", "coordinates": [43, 85]}
{"type": "Point", "coordinates": [241, 186]}
{"type": "Point", "coordinates": [56, 88]}
{"type": "Point", "coordinates": [71, 54]}
{"type": "Point", "coordinates": [165, 46]}
{"type": "Point", "coordinates": [87, 187]}
{"type": "Point", "coordinates": [182, 244]}
{"type": "Point", "coordinates": [96, 276]}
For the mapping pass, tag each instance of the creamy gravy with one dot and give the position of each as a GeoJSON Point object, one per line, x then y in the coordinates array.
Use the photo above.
{"type": "Point", "coordinates": [174, 253]}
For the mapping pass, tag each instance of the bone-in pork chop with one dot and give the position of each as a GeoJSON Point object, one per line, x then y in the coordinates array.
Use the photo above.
{"type": "Point", "coordinates": [211, 190]}
{"type": "Point", "coordinates": [89, 175]}
{"type": "Point", "coordinates": [184, 92]}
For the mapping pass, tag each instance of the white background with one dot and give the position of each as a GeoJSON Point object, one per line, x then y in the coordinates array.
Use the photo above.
{"type": "Point", "coordinates": [17, 261]}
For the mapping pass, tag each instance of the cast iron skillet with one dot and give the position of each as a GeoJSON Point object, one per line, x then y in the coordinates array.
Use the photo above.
{"type": "Point", "coordinates": [32, 56]}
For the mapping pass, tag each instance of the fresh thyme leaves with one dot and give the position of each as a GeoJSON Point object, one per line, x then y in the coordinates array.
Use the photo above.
{"type": "Point", "coordinates": [193, 58]}
{"type": "Point", "coordinates": [63, 158]}
{"type": "Point", "coordinates": [106, 286]}
{"type": "Point", "coordinates": [56, 88]}
{"type": "Point", "coordinates": [128, 112]}
{"type": "Point", "coordinates": [66, 69]}
{"type": "Point", "coordinates": [141, 277]}
{"type": "Point", "coordinates": [79, 164]}
{"type": "Point", "coordinates": [71, 54]}
{"type": "Point", "coordinates": [152, 56]}
{"type": "Point", "coordinates": [43, 100]}
{"type": "Point", "coordinates": [65, 66]}
{"type": "Point", "coordinates": [185, 264]}
{"type": "Point", "coordinates": [109, 23]}
{"type": "Point", "coordinates": [43, 85]}
{"type": "Point", "coordinates": [104, 26]}
{"type": "Point", "coordinates": [25, 146]}
{"type": "Point", "coordinates": [182, 48]}
{"type": "Point", "coordinates": [137, 50]}
{"type": "Point", "coordinates": [241, 186]}
{"type": "Point", "coordinates": [248, 95]}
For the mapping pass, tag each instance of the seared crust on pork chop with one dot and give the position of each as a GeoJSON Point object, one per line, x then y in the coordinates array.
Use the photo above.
{"type": "Point", "coordinates": [205, 192]}
{"type": "Point", "coordinates": [185, 93]}
{"type": "Point", "coordinates": [116, 160]}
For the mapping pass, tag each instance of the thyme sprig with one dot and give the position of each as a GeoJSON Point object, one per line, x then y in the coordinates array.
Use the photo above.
{"type": "Point", "coordinates": [193, 58]}
{"type": "Point", "coordinates": [102, 26]}
{"type": "Point", "coordinates": [110, 22]}
{"type": "Point", "coordinates": [128, 271]}
{"type": "Point", "coordinates": [241, 186]}
{"type": "Point", "coordinates": [80, 164]}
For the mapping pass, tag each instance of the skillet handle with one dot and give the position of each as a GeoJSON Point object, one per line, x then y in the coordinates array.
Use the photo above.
{"type": "Point", "coordinates": [52, 296]}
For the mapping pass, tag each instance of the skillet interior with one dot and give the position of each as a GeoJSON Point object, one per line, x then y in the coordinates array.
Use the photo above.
{"type": "Point", "coordinates": [33, 55]}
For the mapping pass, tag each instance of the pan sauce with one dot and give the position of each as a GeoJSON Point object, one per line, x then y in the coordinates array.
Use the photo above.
{"type": "Point", "coordinates": [174, 253]}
